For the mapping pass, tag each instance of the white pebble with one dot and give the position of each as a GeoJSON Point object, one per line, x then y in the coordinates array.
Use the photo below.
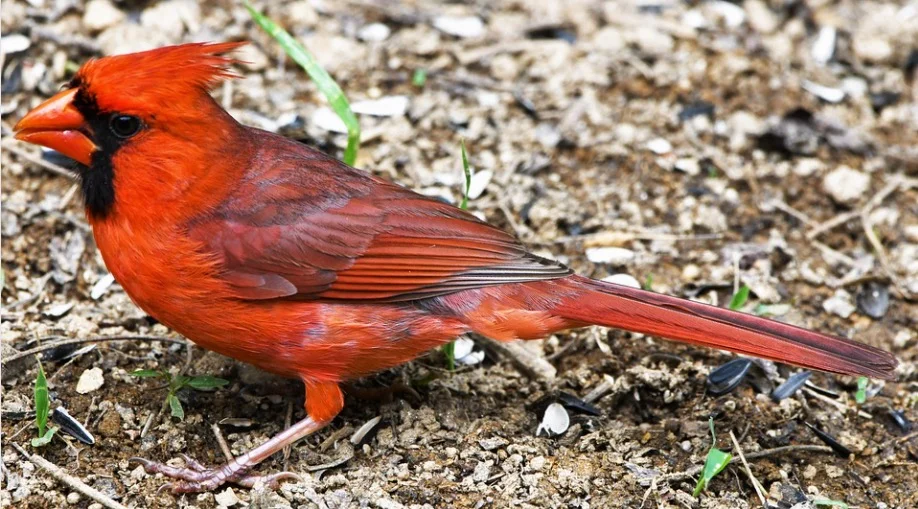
{"type": "Point", "coordinates": [872, 49]}
{"type": "Point", "coordinates": [374, 32]}
{"type": "Point", "coordinates": [623, 280]}
{"type": "Point", "coordinates": [824, 45]}
{"type": "Point", "coordinates": [846, 185]}
{"type": "Point", "coordinates": [90, 380]}
{"type": "Point", "coordinates": [828, 94]}
{"type": "Point", "coordinates": [461, 26]}
{"type": "Point", "coordinates": [389, 106]}
{"type": "Point", "coordinates": [14, 43]}
{"type": "Point", "coordinates": [659, 146]}
{"type": "Point", "coordinates": [327, 119]}
{"type": "Point", "coordinates": [611, 255]}
{"type": "Point", "coordinates": [479, 181]}
{"type": "Point", "coordinates": [226, 498]}
{"type": "Point", "coordinates": [839, 304]}
{"type": "Point", "coordinates": [101, 286]}
{"type": "Point", "coordinates": [101, 14]}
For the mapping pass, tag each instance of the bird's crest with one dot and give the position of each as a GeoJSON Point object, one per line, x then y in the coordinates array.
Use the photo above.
{"type": "Point", "coordinates": [158, 75]}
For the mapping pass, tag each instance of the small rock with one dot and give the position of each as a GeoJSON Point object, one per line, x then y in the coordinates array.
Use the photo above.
{"type": "Point", "coordinates": [610, 255]}
{"type": "Point", "coordinates": [101, 14]}
{"type": "Point", "coordinates": [873, 300]}
{"type": "Point", "coordinates": [824, 45]}
{"type": "Point", "coordinates": [839, 304]}
{"type": "Point", "coordinates": [466, 27]}
{"type": "Point", "coordinates": [659, 146]}
{"type": "Point", "coordinates": [691, 272]}
{"type": "Point", "coordinates": [807, 166]}
{"type": "Point", "coordinates": [623, 280]}
{"type": "Point", "coordinates": [609, 39]}
{"type": "Point", "coordinates": [101, 286]}
{"type": "Point", "coordinates": [687, 165]}
{"type": "Point", "coordinates": [14, 43]}
{"type": "Point", "coordinates": [846, 185]}
{"type": "Point", "coordinates": [390, 106]}
{"type": "Point", "coordinates": [651, 41]}
{"type": "Point", "coordinates": [226, 498]}
{"type": "Point", "coordinates": [374, 32]}
{"type": "Point", "coordinates": [73, 498]}
{"type": "Point", "coordinates": [872, 49]}
{"type": "Point", "coordinates": [732, 14]}
{"type": "Point", "coordinates": [827, 94]}
{"type": "Point", "coordinates": [479, 181]}
{"type": "Point", "coordinates": [58, 310]}
{"type": "Point", "coordinates": [110, 425]}
{"type": "Point", "coordinates": [761, 18]}
{"type": "Point", "coordinates": [327, 119]}
{"type": "Point", "coordinates": [90, 380]}
{"type": "Point", "coordinates": [547, 135]}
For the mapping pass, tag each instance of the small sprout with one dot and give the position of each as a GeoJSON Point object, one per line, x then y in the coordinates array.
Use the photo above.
{"type": "Point", "coordinates": [419, 78]}
{"type": "Point", "coordinates": [325, 83]}
{"type": "Point", "coordinates": [648, 283]}
{"type": "Point", "coordinates": [739, 299]}
{"type": "Point", "coordinates": [177, 383]}
{"type": "Point", "coordinates": [714, 464]}
{"type": "Point", "coordinates": [861, 395]}
{"type": "Point", "coordinates": [42, 406]}
{"type": "Point", "coordinates": [449, 349]}
{"type": "Point", "coordinates": [818, 502]}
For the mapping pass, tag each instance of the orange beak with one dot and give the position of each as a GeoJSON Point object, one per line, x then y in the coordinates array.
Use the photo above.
{"type": "Point", "coordinates": [58, 125]}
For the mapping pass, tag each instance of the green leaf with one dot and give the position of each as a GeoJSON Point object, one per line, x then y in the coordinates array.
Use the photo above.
{"type": "Point", "coordinates": [42, 400]}
{"type": "Point", "coordinates": [44, 438]}
{"type": "Point", "coordinates": [716, 461]}
{"type": "Point", "coordinates": [449, 350]}
{"type": "Point", "coordinates": [648, 283]}
{"type": "Point", "coordinates": [714, 464]}
{"type": "Point", "coordinates": [468, 176]}
{"type": "Point", "coordinates": [206, 382]}
{"type": "Point", "coordinates": [320, 76]}
{"type": "Point", "coordinates": [740, 298]}
{"type": "Point", "coordinates": [829, 502]}
{"type": "Point", "coordinates": [861, 395]}
{"type": "Point", "coordinates": [176, 406]}
{"type": "Point", "coordinates": [419, 78]}
{"type": "Point", "coordinates": [147, 373]}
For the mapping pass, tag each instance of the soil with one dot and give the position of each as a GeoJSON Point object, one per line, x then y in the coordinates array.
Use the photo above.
{"type": "Point", "coordinates": [691, 135]}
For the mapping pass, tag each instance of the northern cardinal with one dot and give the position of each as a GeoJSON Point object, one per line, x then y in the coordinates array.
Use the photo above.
{"type": "Point", "coordinates": [273, 253]}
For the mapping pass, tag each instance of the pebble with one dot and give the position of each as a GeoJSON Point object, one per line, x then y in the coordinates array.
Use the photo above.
{"type": "Point", "coordinates": [761, 18]}
{"type": "Point", "coordinates": [90, 380]}
{"type": "Point", "coordinates": [110, 425]}
{"type": "Point", "coordinates": [73, 498]}
{"type": "Point", "coordinates": [840, 304]}
{"type": "Point", "coordinates": [610, 255]}
{"type": "Point", "coordinates": [807, 166]}
{"type": "Point", "coordinates": [872, 49]}
{"type": "Point", "coordinates": [389, 106]}
{"type": "Point", "coordinates": [659, 146]}
{"type": "Point", "coordinates": [609, 39]}
{"type": "Point", "coordinates": [691, 272]}
{"type": "Point", "coordinates": [466, 27]}
{"type": "Point", "coordinates": [101, 287]}
{"type": "Point", "coordinates": [824, 45]}
{"type": "Point", "coordinates": [846, 185]}
{"type": "Point", "coordinates": [226, 498]}
{"type": "Point", "coordinates": [101, 14]}
{"type": "Point", "coordinates": [327, 119]}
{"type": "Point", "coordinates": [14, 43]}
{"type": "Point", "coordinates": [827, 94]}
{"type": "Point", "coordinates": [623, 280]}
{"type": "Point", "coordinates": [687, 165]}
{"type": "Point", "coordinates": [480, 181]}
{"type": "Point", "coordinates": [374, 32]}
{"type": "Point", "coordinates": [651, 41]}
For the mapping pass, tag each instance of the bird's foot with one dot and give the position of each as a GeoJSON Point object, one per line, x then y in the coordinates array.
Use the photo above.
{"type": "Point", "coordinates": [196, 478]}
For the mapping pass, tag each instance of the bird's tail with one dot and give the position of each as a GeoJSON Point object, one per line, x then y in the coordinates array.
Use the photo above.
{"type": "Point", "coordinates": [645, 312]}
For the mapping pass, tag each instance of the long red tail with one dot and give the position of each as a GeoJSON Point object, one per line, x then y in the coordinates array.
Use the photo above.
{"type": "Point", "coordinates": [646, 312]}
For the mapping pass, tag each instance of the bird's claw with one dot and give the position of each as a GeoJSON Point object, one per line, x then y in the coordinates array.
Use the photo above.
{"type": "Point", "coordinates": [195, 477]}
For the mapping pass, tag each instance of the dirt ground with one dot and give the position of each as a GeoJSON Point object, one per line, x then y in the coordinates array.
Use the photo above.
{"type": "Point", "coordinates": [768, 142]}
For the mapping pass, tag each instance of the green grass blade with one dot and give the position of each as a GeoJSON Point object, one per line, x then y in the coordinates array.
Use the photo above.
{"type": "Point", "coordinates": [319, 75]}
{"type": "Point", "coordinates": [861, 395]}
{"type": "Point", "coordinates": [449, 349]}
{"type": "Point", "coordinates": [206, 382]}
{"type": "Point", "coordinates": [42, 400]}
{"type": "Point", "coordinates": [740, 298]}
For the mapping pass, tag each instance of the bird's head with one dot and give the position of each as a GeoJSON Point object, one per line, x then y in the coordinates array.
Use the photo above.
{"type": "Point", "coordinates": [130, 120]}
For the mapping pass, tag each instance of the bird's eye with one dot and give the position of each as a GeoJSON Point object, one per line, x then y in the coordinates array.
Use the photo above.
{"type": "Point", "coordinates": [124, 126]}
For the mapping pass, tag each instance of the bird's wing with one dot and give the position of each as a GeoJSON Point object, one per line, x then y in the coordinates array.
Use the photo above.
{"type": "Point", "coordinates": [304, 225]}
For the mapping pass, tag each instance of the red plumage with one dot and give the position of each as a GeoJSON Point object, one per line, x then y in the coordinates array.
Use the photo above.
{"type": "Point", "coordinates": [268, 251]}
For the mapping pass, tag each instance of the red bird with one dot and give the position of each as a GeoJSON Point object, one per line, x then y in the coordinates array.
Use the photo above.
{"type": "Point", "coordinates": [271, 252]}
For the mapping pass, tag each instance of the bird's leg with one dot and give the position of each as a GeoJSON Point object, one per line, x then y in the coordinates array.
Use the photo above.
{"type": "Point", "coordinates": [323, 402]}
